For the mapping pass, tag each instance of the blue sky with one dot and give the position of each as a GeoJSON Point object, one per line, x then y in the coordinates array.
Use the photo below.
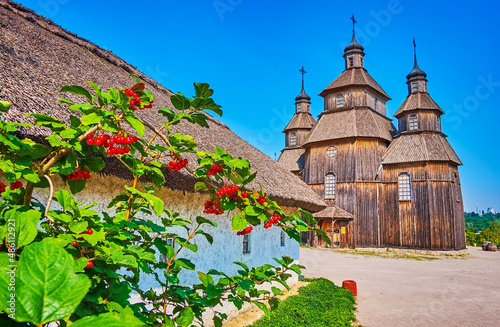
{"type": "Point", "coordinates": [250, 52]}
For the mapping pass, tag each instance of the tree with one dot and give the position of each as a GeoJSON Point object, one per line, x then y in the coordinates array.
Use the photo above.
{"type": "Point", "coordinates": [78, 266]}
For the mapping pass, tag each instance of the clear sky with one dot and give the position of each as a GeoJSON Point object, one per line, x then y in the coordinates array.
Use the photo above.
{"type": "Point", "coordinates": [251, 52]}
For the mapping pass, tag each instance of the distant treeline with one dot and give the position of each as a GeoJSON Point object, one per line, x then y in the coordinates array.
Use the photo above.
{"type": "Point", "coordinates": [478, 223]}
{"type": "Point", "coordinates": [482, 228]}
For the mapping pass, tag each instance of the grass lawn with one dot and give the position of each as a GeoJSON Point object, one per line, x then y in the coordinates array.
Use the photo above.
{"type": "Point", "coordinates": [318, 304]}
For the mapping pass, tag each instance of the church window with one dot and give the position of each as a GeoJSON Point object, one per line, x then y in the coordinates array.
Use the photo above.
{"type": "Point", "coordinates": [351, 62]}
{"type": "Point", "coordinates": [340, 100]}
{"type": "Point", "coordinates": [361, 61]}
{"type": "Point", "coordinates": [331, 152]}
{"type": "Point", "coordinates": [414, 87]}
{"type": "Point", "coordinates": [438, 127]}
{"type": "Point", "coordinates": [299, 107]}
{"type": "Point", "coordinates": [404, 187]}
{"type": "Point", "coordinates": [376, 103]}
{"type": "Point", "coordinates": [282, 238]}
{"type": "Point", "coordinates": [413, 122]}
{"type": "Point", "coordinates": [330, 183]}
{"type": "Point", "coordinates": [246, 243]}
{"type": "Point", "coordinates": [293, 139]}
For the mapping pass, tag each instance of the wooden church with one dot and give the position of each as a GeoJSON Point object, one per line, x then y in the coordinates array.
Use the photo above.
{"type": "Point", "coordinates": [384, 186]}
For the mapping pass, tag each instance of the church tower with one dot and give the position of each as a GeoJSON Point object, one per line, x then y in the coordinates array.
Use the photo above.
{"type": "Point", "coordinates": [422, 198]}
{"type": "Point", "coordinates": [296, 131]}
{"type": "Point", "coordinates": [344, 149]}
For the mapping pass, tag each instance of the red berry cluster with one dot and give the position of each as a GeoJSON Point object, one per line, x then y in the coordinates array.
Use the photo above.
{"type": "Point", "coordinates": [272, 220]}
{"type": "Point", "coordinates": [16, 185]}
{"type": "Point", "coordinates": [175, 166]}
{"type": "Point", "coordinates": [110, 142]}
{"type": "Point", "coordinates": [2, 188]}
{"type": "Point", "coordinates": [135, 101]}
{"type": "Point", "coordinates": [214, 169]}
{"type": "Point", "coordinates": [226, 190]}
{"type": "Point", "coordinates": [262, 200]}
{"type": "Point", "coordinates": [244, 194]}
{"type": "Point", "coordinates": [245, 231]}
{"type": "Point", "coordinates": [78, 175]}
{"type": "Point", "coordinates": [211, 209]}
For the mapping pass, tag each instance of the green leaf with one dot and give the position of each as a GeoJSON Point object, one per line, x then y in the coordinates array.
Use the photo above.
{"type": "Point", "coordinates": [164, 249]}
{"type": "Point", "coordinates": [202, 220]}
{"type": "Point", "coordinates": [185, 263]}
{"type": "Point", "coordinates": [95, 237]}
{"type": "Point", "coordinates": [203, 90]}
{"type": "Point", "coordinates": [94, 164]}
{"type": "Point", "coordinates": [4, 106]}
{"type": "Point", "coordinates": [109, 319]}
{"type": "Point", "coordinates": [76, 186]}
{"type": "Point", "coordinates": [180, 102]}
{"type": "Point", "coordinates": [26, 229]}
{"type": "Point", "coordinates": [323, 235]}
{"type": "Point", "coordinates": [308, 216]}
{"type": "Point", "coordinates": [30, 176]}
{"type": "Point", "coordinates": [238, 223]}
{"type": "Point", "coordinates": [92, 118]}
{"type": "Point", "coordinates": [76, 89]}
{"type": "Point", "coordinates": [239, 163]}
{"type": "Point", "coordinates": [214, 291]}
{"type": "Point", "coordinates": [186, 317]}
{"type": "Point", "coordinates": [78, 227]}
{"type": "Point", "coordinates": [276, 290]}
{"type": "Point", "coordinates": [136, 124]}
{"type": "Point", "coordinates": [65, 199]}
{"type": "Point", "coordinates": [47, 287]}
{"type": "Point", "coordinates": [68, 133]}
{"type": "Point", "coordinates": [262, 306]}
{"type": "Point", "coordinates": [200, 186]}
{"type": "Point", "coordinates": [152, 200]}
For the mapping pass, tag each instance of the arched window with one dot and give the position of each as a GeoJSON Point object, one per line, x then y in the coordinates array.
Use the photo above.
{"type": "Point", "coordinates": [340, 100]}
{"type": "Point", "coordinates": [293, 139]}
{"type": "Point", "coordinates": [413, 122]}
{"type": "Point", "coordinates": [404, 187]}
{"type": "Point", "coordinates": [438, 127]}
{"type": "Point", "coordinates": [299, 107]}
{"type": "Point", "coordinates": [331, 152]}
{"type": "Point", "coordinates": [330, 184]}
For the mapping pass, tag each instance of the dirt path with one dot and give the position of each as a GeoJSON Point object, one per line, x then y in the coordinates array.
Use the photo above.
{"type": "Point", "coordinates": [404, 292]}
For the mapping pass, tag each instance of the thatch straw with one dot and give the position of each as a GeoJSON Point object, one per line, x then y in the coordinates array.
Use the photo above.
{"type": "Point", "coordinates": [38, 57]}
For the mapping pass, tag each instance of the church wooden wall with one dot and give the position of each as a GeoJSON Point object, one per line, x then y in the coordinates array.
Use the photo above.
{"type": "Point", "coordinates": [358, 97]}
{"type": "Point", "coordinates": [433, 219]}
{"type": "Point", "coordinates": [426, 121]}
{"type": "Point", "coordinates": [357, 190]}
{"type": "Point", "coordinates": [300, 136]}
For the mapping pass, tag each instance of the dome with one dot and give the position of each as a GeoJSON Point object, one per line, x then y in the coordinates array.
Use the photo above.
{"type": "Point", "coordinates": [303, 96]}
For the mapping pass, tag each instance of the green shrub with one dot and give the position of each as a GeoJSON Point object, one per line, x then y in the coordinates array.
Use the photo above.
{"type": "Point", "coordinates": [319, 304]}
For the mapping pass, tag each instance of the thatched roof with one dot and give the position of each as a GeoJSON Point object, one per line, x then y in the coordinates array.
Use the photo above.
{"type": "Point", "coordinates": [38, 57]}
{"type": "Point", "coordinates": [292, 159]}
{"type": "Point", "coordinates": [333, 212]}
{"type": "Point", "coordinates": [358, 122]}
{"type": "Point", "coordinates": [418, 101]}
{"type": "Point", "coordinates": [300, 120]}
{"type": "Point", "coordinates": [355, 77]}
{"type": "Point", "coordinates": [419, 147]}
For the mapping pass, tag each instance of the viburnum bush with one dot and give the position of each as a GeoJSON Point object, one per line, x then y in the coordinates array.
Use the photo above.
{"type": "Point", "coordinates": [78, 267]}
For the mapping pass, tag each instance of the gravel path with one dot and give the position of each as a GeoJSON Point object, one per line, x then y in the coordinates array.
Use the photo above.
{"type": "Point", "coordinates": [404, 292]}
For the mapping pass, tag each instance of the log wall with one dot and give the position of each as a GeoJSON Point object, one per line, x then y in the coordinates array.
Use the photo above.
{"type": "Point", "coordinates": [433, 218]}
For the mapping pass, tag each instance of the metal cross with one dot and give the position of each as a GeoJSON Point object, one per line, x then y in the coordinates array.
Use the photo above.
{"type": "Point", "coordinates": [303, 72]}
{"type": "Point", "coordinates": [353, 21]}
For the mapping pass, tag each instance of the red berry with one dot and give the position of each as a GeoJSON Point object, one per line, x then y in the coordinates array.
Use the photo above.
{"type": "Point", "coordinates": [74, 243]}
{"type": "Point", "coordinates": [244, 194]}
{"type": "Point", "coordinates": [90, 141]}
{"type": "Point", "coordinates": [90, 232]}
{"type": "Point", "coordinates": [89, 136]}
{"type": "Point", "coordinates": [90, 264]}
{"type": "Point", "coordinates": [126, 149]}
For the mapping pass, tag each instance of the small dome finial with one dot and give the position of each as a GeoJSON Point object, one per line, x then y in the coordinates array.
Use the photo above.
{"type": "Point", "coordinates": [354, 46]}
{"type": "Point", "coordinates": [416, 72]}
{"type": "Point", "coordinates": [302, 95]}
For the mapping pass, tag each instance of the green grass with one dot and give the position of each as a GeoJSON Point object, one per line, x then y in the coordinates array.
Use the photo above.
{"type": "Point", "coordinates": [318, 304]}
